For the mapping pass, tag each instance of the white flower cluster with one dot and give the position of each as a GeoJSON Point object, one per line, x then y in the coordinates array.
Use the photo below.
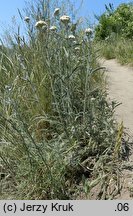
{"type": "Point", "coordinates": [71, 37]}
{"type": "Point", "coordinates": [53, 28]}
{"type": "Point", "coordinates": [57, 12]}
{"type": "Point", "coordinates": [40, 24]}
{"type": "Point", "coordinates": [65, 19]}
{"type": "Point", "coordinates": [88, 31]}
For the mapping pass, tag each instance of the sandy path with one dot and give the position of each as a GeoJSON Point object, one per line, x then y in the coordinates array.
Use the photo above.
{"type": "Point", "coordinates": [120, 79]}
{"type": "Point", "coordinates": [120, 88]}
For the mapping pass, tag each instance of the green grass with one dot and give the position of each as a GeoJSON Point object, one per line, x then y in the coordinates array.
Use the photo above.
{"type": "Point", "coordinates": [118, 48]}
{"type": "Point", "coordinates": [57, 132]}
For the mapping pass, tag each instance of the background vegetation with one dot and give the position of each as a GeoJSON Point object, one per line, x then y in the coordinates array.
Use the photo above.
{"type": "Point", "coordinates": [58, 138]}
{"type": "Point", "coordinates": [114, 33]}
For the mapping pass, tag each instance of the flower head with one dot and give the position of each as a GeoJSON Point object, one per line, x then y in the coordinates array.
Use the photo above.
{"type": "Point", "coordinates": [88, 31]}
{"type": "Point", "coordinates": [65, 19]}
{"type": "Point", "coordinates": [71, 37]}
{"type": "Point", "coordinates": [27, 19]}
{"type": "Point", "coordinates": [56, 12]}
{"type": "Point", "coordinates": [53, 28]}
{"type": "Point", "coordinates": [77, 48]}
{"type": "Point", "coordinates": [40, 24]}
{"type": "Point", "coordinates": [92, 99]}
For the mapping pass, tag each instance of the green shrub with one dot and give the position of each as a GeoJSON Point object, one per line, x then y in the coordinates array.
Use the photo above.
{"type": "Point", "coordinates": [118, 21]}
{"type": "Point", "coordinates": [114, 33]}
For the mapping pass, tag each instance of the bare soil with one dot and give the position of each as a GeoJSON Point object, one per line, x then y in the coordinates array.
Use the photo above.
{"type": "Point", "coordinates": [120, 89]}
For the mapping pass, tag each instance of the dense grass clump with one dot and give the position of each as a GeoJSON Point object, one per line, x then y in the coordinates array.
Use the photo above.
{"type": "Point", "coordinates": [117, 48]}
{"type": "Point", "coordinates": [58, 139]}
